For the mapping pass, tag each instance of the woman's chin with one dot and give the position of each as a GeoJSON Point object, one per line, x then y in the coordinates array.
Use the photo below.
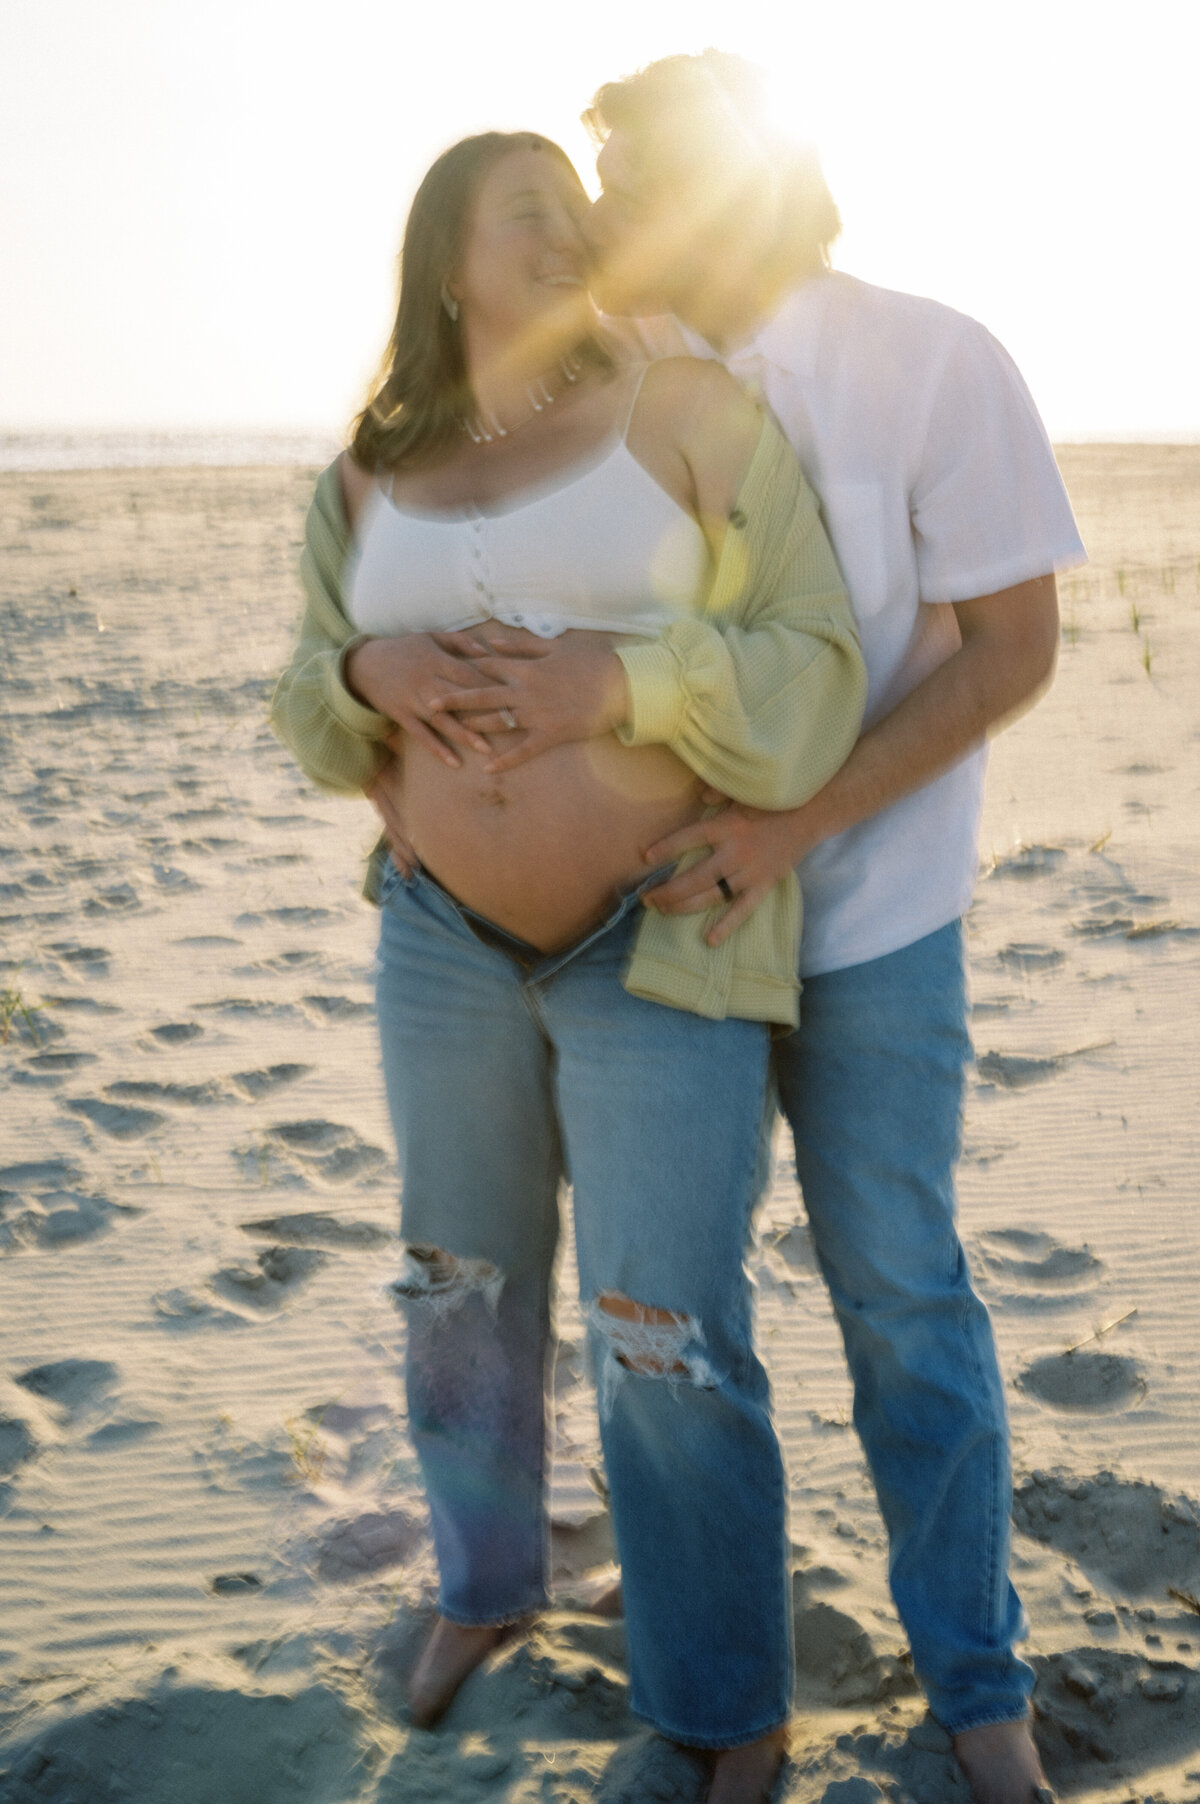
{"type": "Point", "coordinates": [567, 314]}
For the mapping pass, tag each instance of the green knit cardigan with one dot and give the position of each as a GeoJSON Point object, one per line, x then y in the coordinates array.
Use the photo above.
{"type": "Point", "coordinates": [760, 692]}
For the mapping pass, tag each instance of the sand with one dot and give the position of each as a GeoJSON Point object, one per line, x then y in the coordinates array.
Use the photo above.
{"type": "Point", "coordinates": [212, 1547]}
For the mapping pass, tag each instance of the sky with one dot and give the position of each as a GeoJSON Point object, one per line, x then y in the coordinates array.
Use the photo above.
{"type": "Point", "coordinates": [201, 201]}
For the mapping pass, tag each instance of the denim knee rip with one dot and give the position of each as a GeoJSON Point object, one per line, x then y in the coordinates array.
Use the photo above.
{"type": "Point", "coordinates": [443, 1282]}
{"type": "Point", "coordinates": [655, 1344]}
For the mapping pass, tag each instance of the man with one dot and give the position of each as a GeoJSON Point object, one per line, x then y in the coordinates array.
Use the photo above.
{"type": "Point", "coordinates": [944, 505]}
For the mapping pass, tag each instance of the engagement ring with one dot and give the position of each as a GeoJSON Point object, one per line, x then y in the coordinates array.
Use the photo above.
{"type": "Point", "coordinates": [509, 719]}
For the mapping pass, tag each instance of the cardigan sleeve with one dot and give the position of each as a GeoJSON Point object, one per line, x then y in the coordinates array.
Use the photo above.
{"type": "Point", "coordinates": [763, 696]}
{"type": "Point", "coordinates": [336, 739]}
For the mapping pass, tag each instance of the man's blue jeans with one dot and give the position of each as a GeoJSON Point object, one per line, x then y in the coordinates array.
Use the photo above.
{"type": "Point", "coordinates": [505, 1071]}
{"type": "Point", "coordinates": [872, 1086]}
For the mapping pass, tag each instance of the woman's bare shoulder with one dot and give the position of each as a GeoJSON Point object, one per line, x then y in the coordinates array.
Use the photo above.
{"type": "Point", "coordinates": [693, 382]}
{"type": "Point", "coordinates": [712, 422]}
{"type": "Point", "coordinates": [356, 484]}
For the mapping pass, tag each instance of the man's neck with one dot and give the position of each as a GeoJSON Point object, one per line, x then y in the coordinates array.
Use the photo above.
{"type": "Point", "coordinates": [728, 315]}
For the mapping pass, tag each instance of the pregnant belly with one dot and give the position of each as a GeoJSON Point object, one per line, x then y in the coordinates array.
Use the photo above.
{"type": "Point", "coordinates": [545, 850]}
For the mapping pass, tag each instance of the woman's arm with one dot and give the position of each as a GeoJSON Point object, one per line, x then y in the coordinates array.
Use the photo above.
{"type": "Point", "coordinates": [343, 693]}
{"type": "Point", "coordinates": [767, 684]}
{"type": "Point", "coordinates": [337, 739]}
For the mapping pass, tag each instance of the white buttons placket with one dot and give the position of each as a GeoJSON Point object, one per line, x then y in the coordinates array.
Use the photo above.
{"type": "Point", "coordinates": [481, 575]}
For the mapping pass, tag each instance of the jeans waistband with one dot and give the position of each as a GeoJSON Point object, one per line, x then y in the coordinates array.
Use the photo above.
{"type": "Point", "coordinates": [522, 953]}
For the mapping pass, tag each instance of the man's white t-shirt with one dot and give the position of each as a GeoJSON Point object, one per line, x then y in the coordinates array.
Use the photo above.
{"type": "Point", "coordinates": [937, 484]}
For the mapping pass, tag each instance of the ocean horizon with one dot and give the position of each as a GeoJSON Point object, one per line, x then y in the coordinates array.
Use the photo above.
{"type": "Point", "coordinates": [240, 447]}
{"type": "Point", "coordinates": [156, 449]}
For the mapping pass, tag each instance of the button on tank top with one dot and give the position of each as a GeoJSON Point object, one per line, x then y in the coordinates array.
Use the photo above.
{"type": "Point", "coordinates": [606, 548]}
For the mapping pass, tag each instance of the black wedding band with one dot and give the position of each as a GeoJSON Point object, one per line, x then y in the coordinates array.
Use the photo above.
{"type": "Point", "coordinates": [724, 888]}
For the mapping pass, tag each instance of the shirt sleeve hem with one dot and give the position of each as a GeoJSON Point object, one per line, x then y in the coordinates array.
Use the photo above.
{"type": "Point", "coordinates": [967, 585]}
{"type": "Point", "coordinates": [656, 698]}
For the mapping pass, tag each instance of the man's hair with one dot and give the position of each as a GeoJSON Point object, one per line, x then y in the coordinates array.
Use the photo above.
{"type": "Point", "coordinates": [707, 111]}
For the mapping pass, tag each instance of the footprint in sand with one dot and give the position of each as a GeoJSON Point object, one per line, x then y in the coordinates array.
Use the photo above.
{"type": "Point", "coordinates": [41, 1174]}
{"type": "Point", "coordinates": [17, 1445]}
{"type": "Point", "coordinates": [1029, 861]}
{"type": "Point", "coordinates": [55, 1218]}
{"type": "Point", "coordinates": [177, 1033]}
{"type": "Point", "coordinates": [1034, 1261]}
{"type": "Point", "coordinates": [118, 899]}
{"type": "Point", "coordinates": [266, 1079]}
{"type": "Point", "coordinates": [250, 1008]}
{"type": "Point", "coordinates": [992, 1005]}
{"type": "Point", "coordinates": [1084, 1381]}
{"type": "Point", "coordinates": [318, 1228]}
{"type": "Point", "coordinates": [36, 1029]}
{"type": "Point", "coordinates": [837, 1664]}
{"type": "Point", "coordinates": [1016, 1070]}
{"type": "Point", "coordinates": [337, 1008]}
{"type": "Point", "coordinates": [298, 960]}
{"type": "Point", "coordinates": [114, 1119]}
{"type": "Point", "coordinates": [788, 1255]}
{"type": "Point", "coordinates": [188, 1742]}
{"type": "Point", "coordinates": [369, 1543]}
{"type": "Point", "coordinates": [352, 1445]}
{"type": "Point", "coordinates": [333, 1152]}
{"type": "Point", "coordinates": [74, 1386]}
{"type": "Point", "coordinates": [1132, 1537]}
{"type": "Point", "coordinates": [1098, 1705]}
{"type": "Point", "coordinates": [40, 1206]}
{"type": "Point", "coordinates": [296, 915]}
{"type": "Point", "coordinates": [188, 1096]}
{"type": "Point", "coordinates": [91, 960]}
{"type": "Point", "coordinates": [267, 1283]}
{"type": "Point", "coordinates": [49, 1069]}
{"type": "Point", "coordinates": [1021, 956]}
{"type": "Point", "coordinates": [61, 1061]}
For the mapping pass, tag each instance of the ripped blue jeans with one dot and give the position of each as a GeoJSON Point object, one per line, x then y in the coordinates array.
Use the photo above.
{"type": "Point", "coordinates": [507, 1072]}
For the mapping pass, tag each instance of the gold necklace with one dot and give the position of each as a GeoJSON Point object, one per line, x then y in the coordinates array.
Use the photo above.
{"type": "Point", "coordinates": [484, 429]}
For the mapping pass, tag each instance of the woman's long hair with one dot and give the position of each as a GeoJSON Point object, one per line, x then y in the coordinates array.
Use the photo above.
{"type": "Point", "coordinates": [421, 395]}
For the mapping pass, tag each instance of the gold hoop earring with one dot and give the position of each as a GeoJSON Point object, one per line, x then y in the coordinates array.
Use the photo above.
{"type": "Point", "coordinates": [449, 302]}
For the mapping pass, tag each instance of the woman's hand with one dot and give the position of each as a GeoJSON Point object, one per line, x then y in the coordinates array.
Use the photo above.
{"type": "Point", "coordinates": [749, 850]}
{"type": "Point", "coordinates": [573, 689]}
{"type": "Point", "coordinates": [402, 676]}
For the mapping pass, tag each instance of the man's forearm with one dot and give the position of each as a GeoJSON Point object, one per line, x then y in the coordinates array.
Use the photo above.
{"type": "Point", "coordinates": [1009, 641]}
{"type": "Point", "coordinates": [993, 676]}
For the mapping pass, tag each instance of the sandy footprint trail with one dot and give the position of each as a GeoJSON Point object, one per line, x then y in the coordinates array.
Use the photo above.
{"type": "Point", "coordinates": [213, 1557]}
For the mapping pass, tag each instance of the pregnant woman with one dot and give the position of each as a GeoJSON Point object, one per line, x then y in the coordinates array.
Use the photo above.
{"type": "Point", "coordinates": [513, 479]}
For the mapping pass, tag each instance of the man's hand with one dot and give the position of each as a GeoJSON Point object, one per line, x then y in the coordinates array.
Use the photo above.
{"type": "Point", "coordinates": [574, 689]}
{"type": "Point", "coordinates": [401, 676]}
{"type": "Point", "coordinates": [383, 792]}
{"type": "Point", "coordinates": [748, 848]}
{"type": "Point", "coordinates": [1008, 644]}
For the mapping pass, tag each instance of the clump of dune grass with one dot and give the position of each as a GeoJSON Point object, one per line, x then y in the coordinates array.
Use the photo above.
{"type": "Point", "coordinates": [13, 1007]}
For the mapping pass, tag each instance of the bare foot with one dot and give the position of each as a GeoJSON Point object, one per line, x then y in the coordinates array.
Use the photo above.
{"type": "Point", "coordinates": [1002, 1764]}
{"type": "Point", "coordinates": [450, 1655]}
{"type": "Point", "coordinates": [747, 1775]}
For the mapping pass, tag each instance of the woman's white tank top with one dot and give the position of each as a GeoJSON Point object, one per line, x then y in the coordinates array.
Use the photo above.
{"type": "Point", "coordinates": [606, 548]}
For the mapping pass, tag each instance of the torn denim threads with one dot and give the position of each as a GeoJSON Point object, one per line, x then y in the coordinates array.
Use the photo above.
{"type": "Point", "coordinates": [504, 1076]}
